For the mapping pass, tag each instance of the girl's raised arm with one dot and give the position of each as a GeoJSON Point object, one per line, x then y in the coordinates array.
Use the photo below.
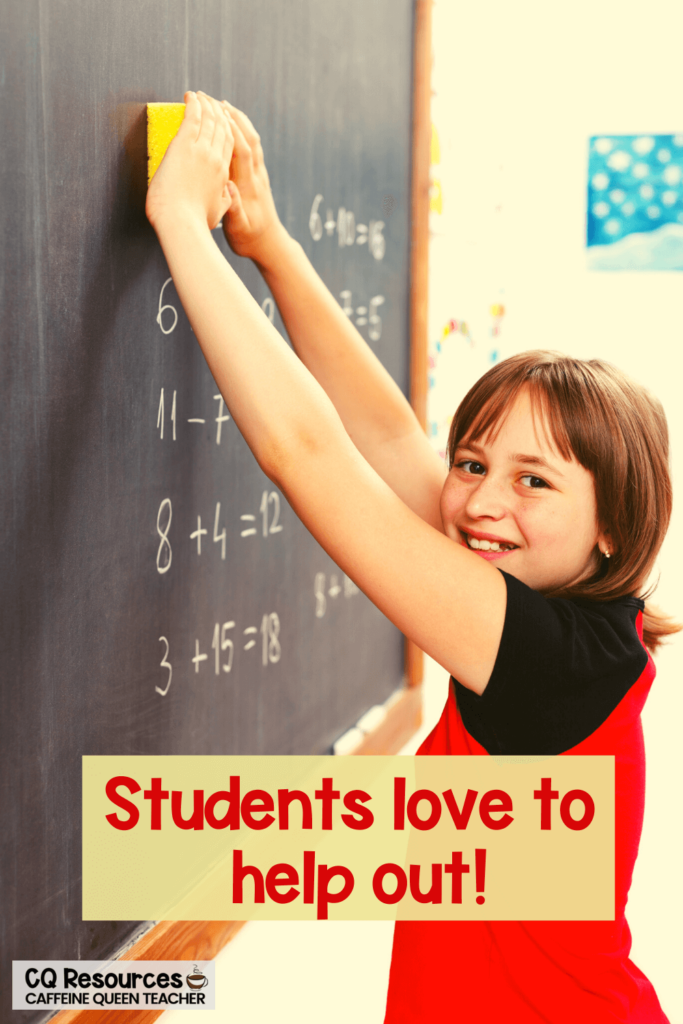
{"type": "Point", "coordinates": [373, 409]}
{"type": "Point", "coordinates": [444, 597]}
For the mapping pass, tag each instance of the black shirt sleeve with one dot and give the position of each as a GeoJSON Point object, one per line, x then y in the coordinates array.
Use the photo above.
{"type": "Point", "coordinates": [562, 668]}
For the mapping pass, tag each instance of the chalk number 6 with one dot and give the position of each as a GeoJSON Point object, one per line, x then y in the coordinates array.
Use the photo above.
{"type": "Point", "coordinates": [167, 306]}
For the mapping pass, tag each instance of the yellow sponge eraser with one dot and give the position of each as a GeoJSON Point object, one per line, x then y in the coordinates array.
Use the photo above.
{"type": "Point", "coordinates": [163, 122]}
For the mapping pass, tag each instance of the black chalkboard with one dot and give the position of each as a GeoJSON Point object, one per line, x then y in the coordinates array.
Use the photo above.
{"type": "Point", "coordinates": [115, 447]}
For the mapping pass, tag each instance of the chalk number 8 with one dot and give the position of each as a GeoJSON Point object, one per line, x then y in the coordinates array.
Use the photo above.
{"type": "Point", "coordinates": [164, 543]}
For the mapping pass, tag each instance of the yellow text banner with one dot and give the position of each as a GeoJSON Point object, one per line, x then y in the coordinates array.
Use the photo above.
{"type": "Point", "coordinates": [348, 838]}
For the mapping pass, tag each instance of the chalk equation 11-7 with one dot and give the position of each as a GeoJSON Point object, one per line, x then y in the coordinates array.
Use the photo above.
{"type": "Point", "coordinates": [167, 416]}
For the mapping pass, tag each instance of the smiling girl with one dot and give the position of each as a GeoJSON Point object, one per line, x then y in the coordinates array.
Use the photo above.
{"type": "Point", "coordinates": [519, 570]}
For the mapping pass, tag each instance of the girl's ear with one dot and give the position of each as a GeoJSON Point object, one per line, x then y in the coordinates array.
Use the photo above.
{"type": "Point", "coordinates": [605, 545]}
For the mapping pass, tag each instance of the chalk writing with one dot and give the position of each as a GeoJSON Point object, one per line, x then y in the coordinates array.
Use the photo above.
{"type": "Point", "coordinates": [164, 564]}
{"type": "Point", "coordinates": [162, 308]}
{"type": "Point", "coordinates": [348, 231]}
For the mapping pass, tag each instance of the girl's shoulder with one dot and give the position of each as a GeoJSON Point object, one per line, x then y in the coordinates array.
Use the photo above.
{"type": "Point", "coordinates": [568, 620]}
{"type": "Point", "coordinates": [574, 641]}
{"type": "Point", "coordinates": [626, 601]}
{"type": "Point", "coordinates": [562, 667]}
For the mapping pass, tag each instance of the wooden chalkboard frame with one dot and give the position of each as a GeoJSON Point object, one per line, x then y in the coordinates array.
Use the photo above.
{"type": "Point", "coordinates": [203, 940]}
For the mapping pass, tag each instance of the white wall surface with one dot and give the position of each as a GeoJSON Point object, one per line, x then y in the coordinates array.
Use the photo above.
{"type": "Point", "coordinates": [520, 88]}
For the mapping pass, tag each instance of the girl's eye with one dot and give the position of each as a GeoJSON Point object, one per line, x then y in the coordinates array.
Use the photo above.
{"type": "Point", "coordinates": [470, 466]}
{"type": "Point", "coordinates": [534, 481]}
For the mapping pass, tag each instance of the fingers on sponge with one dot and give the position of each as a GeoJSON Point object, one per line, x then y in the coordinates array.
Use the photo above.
{"type": "Point", "coordinates": [163, 122]}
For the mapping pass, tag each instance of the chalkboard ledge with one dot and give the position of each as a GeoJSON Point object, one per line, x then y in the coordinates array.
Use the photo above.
{"type": "Point", "coordinates": [403, 719]}
{"type": "Point", "coordinates": [203, 940]}
{"type": "Point", "coordinates": [168, 940]}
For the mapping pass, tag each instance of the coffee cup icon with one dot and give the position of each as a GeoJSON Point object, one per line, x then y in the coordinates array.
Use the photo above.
{"type": "Point", "coordinates": [197, 979]}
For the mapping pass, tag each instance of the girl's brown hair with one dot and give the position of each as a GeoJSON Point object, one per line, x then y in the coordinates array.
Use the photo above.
{"type": "Point", "coordinates": [615, 429]}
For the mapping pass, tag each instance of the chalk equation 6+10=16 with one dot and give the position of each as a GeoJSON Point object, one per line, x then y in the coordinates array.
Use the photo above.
{"type": "Point", "coordinates": [348, 232]}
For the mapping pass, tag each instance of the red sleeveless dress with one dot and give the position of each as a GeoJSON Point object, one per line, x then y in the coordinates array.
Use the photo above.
{"type": "Point", "coordinates": [555, 972]}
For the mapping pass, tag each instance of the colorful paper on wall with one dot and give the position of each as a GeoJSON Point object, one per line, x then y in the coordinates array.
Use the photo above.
{"type": "Point", "coordinates": [635, 202]}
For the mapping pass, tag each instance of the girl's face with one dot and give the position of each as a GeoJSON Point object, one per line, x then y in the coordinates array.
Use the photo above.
{"type": "Point", "coordinates": [517, 494]}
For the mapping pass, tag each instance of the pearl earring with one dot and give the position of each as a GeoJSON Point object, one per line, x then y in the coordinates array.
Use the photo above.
{"type": "Point", "coordinates": [607, 554]}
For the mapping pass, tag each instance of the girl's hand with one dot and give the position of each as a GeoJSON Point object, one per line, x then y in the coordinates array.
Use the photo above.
{"type": "Point", "coordinates": [193, 176]}
{"type": "Point", "coordinates": [252, 225]}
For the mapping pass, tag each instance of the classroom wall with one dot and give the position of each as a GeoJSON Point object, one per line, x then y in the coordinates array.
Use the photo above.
{"type": "Point", "coordinates": [519, 89]}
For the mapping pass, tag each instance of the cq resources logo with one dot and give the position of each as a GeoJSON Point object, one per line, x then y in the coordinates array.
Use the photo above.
{"type": "Point", "coordinates": [97, 984]}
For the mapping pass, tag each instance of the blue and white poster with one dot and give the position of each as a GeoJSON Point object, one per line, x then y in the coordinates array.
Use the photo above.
{"type": "Point", "coordinates": [635, 202]}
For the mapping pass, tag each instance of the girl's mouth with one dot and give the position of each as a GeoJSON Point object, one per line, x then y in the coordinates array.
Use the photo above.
{"type": "Point", "coordinates": [488, 549]}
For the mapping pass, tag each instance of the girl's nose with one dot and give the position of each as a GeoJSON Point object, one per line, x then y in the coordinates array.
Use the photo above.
{"type": "Point", "coordinates": [487, 500]}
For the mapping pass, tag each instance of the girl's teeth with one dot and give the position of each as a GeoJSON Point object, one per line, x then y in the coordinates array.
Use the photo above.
{"type": "Point", "coordinates": [485, 545]}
